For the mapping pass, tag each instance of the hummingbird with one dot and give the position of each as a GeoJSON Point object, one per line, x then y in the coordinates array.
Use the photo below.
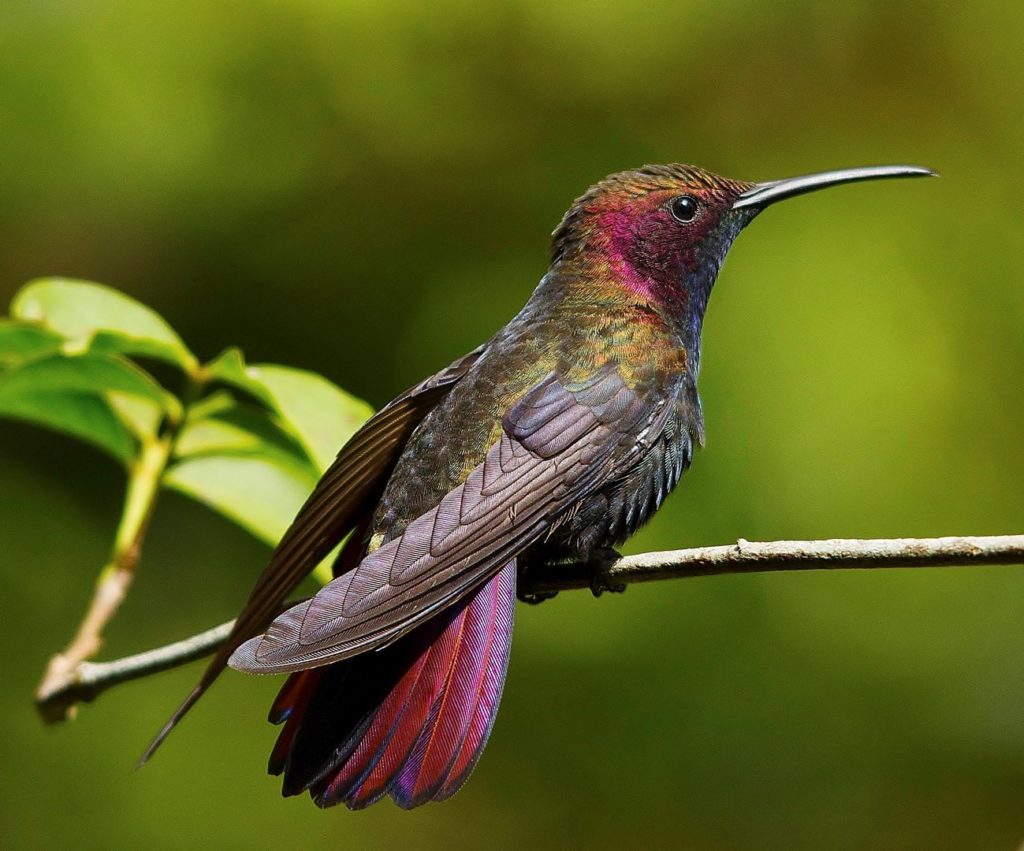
{"type": "Point", "coordinates": [557, 438]}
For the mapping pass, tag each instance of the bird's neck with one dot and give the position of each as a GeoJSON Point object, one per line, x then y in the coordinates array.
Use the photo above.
{"type": "Point", "coordinates": [615, 286]}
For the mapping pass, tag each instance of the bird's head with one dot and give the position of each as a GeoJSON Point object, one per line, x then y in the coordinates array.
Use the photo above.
{"type": "Point", "coordinates": [661, 232]}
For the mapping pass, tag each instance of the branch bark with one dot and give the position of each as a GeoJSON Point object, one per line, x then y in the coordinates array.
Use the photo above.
{"type": "Point", "coordinates": [87, 680]}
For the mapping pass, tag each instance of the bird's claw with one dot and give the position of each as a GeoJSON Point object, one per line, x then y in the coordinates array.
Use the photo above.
{"type": "Point", "coordinates": [534, 599]}
{"type": "Point", "coordinates": [598, 586]}
{"type": "Point", "coordinates": [602, 560]}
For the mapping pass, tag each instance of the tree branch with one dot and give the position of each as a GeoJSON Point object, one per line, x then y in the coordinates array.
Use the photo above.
{"type": "Point", "coordinates": [771, 556]}
{"type": "Point", "coordinates": [88, 680]}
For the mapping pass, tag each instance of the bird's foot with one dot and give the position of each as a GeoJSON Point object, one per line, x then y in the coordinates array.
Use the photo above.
{"type": "Point", "coordinates": [529, 572]}
{"type": "Point", "coordinates": [601, 560]}
{"type": "Point", "coordinates": [534, 599]}
{"type": "Point", "coordinates": [597, 564]}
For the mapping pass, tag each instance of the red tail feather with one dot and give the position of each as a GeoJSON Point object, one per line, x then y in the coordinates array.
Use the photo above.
{"type": "Point", "coordinates": [430, 702]}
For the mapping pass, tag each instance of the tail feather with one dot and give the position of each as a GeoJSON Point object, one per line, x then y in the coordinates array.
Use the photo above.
{"type": "Point", "coordinates": [360, 785]}
{"type": "Point", "coordinates": [485, 707]}
{"type": "Point", "coordinates": [410, 720]}
{"type": "Point", "coordinates": [469, 691]}
{"type": "Point", "coordinates": [292, 700]}
{"type": "Point", "coordinates": [292, 693]}
{"type": "Point", "coordinates": [364, 777]}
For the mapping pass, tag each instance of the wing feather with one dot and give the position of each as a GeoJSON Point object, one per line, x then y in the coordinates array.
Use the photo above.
{"type": "Point", "coordinates": [559, 442]}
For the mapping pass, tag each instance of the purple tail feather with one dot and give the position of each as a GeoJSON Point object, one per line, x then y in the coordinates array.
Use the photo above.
{"type": "Point", "coordinates": [410, 720]}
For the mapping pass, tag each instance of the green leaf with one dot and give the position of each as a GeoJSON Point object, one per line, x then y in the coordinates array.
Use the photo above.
{"type": "Point", "coordinates": [317, 412]}
{"type": "Point", "coordinates": [262, 494]}
{"type": "Point", "coordinates": [86, 373]}
{"type": "Point", "coordinates": [20, 342]}
{"type": "Point", "coordinates": [82, 415]}
{"type": "Point", "coordinates": [321, 415]}
{"type": "Point", "coordinates": [229, 367]}
{"type": "Point", "coordinates": [121, 390]}
{"type": "Point", "coordinates": [239, 430]}
{"type": "Point", "coordinates": [142, 416]}
{"type": "Point", "coordinates": [235, 429]}
{"type": "Point", "coordinates": [211, 405]}
{"type": "Point", "coordinates": [94, 316]}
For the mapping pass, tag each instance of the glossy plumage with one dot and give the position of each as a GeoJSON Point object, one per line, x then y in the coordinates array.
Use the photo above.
{"type": "Point", "coordinates": [559, 437]}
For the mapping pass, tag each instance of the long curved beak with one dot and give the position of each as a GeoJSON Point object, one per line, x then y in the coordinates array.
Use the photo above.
{"type": "Point", "coordinates": [760, 195]}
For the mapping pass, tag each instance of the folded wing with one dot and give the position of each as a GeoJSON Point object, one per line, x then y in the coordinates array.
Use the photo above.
{"type": "Point", "coordinates": [559, 442]}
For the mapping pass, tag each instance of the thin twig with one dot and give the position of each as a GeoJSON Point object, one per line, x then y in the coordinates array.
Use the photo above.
{"type": "Point", "coordinates": [771, 556]}
{"type": "Point", "coordinates": [88, 680]}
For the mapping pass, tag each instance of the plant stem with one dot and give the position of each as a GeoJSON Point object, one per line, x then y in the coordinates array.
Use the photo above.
{"type": "Point", "coordinates": [145, 478]}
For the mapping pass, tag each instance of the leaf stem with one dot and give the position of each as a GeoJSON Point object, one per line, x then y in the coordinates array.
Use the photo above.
{"type": "Point", "coordinates": [145, 477]}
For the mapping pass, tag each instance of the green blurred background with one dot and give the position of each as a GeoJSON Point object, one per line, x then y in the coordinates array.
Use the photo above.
{"type": "Point", "coordinates": [366, 189]}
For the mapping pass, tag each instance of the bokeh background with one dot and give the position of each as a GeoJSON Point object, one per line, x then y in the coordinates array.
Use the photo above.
{"type": "Point", "coordinates": [366, 189]}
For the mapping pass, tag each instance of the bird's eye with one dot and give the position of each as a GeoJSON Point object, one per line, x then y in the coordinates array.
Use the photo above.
{"type": "Point", "coordinates": [684, 208]}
